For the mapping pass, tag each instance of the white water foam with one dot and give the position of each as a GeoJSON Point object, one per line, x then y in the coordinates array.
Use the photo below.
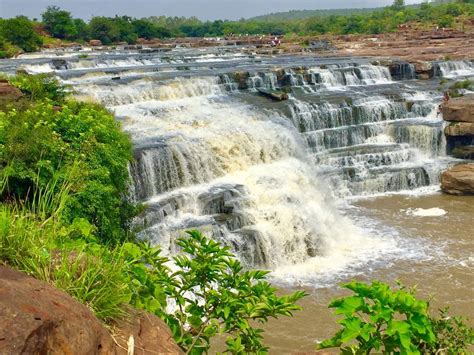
{"type": "Point", "coordinates": [426, 212]}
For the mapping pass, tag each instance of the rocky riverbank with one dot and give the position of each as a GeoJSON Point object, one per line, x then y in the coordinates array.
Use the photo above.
{"type": "Point", "coordinates": [36, 318]}
{"type": "Point", "coordinates": [459, 113]}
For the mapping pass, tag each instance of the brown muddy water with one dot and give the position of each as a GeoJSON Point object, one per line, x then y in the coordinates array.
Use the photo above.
{"type": "Point", "coordinates": [442, 272]}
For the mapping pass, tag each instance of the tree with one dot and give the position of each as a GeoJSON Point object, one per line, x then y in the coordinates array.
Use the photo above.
{"type": "Point", "coordinates": [82, 29]}
{"type": "Point", "coordinates": [59, 23]}
{"type": "Point", "coordinates": [20, 32]}
{"type": "Point", "coordinates": [103, 29]}
{"type": "Point", "coordinates": [398, 5]}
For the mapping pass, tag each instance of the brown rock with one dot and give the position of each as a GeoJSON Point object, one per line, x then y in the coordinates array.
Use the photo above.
{"type": "Point", "coordinates": [95, 42]}
{"type": "Point", "coordinates": [458, 180]}
{"type": "Point", "coordinates": [150, 335]}
{"type": "Point", "coordinates": [459, 109]}
{"type": "Point", "coordinates": [9, 92]}
{"type": "Point", "coordinates": [459, 129]}
{"type": "Point", "coordinates": [36, 318]}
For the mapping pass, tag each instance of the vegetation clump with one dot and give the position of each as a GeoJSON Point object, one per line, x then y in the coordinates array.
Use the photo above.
{"type": "Point", "coordinates": [379, 319]}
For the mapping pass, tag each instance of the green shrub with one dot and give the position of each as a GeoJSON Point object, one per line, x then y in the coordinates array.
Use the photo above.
{"type": "Point", "coordinates": [43, 140]}
{"type": "Point", "coordinates": [213, 295]}
{"type": "Point", "coordinates": [20, 31]}
{"type": "Point", "coordinates": [379, 319]}
{"type": "Point", "coordinates": [40, 87]}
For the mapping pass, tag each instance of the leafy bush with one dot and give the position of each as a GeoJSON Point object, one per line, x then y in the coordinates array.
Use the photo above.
{"type": "Point", "coordinates": [208, 293]}
{"type": "Point", "coordinates": [453, 336]}
{"type": "Point", "coordinates": [40, 87]}
{"type": "Point", "coordinates": [392, 321]}
{"type": "Point", "coordinates": [59, 23]}
{"type": "Point", "coordinates": [20, 31]}
{"type": "Point", "coordinates": [44, 139]}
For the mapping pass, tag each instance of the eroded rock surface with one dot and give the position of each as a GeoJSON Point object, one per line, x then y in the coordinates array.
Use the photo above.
{"type": "Point", "coordinates": [459, 180]}
{"type": "Point", "coordinates": [460, 109]}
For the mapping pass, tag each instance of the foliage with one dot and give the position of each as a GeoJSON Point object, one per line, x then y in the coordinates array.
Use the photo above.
{"type": "Point", "coordinates": [208, 293]}
{"type": "Point", "coordinates": [34, 240]}
{"type": "Point", "coordinates": [453, 336]}
{"type": "Point", "coordinates": [459, 88]}
{"type": "Point", "coordinates": [40, 87]}
{"type": "Point", "coordinates": [45, 139]}
{"type": "Point", "coordinates": [20, 31]}
{"type": "Point", "coordinates": [59, 23]}
{"type": "Point", "coordinates": [392, 321]}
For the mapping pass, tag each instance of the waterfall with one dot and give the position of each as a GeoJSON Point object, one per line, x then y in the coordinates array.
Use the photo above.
{"type": "Point", "coordinates": [451, 69]}
{"type": "Point", "coordinates": [264, 177]}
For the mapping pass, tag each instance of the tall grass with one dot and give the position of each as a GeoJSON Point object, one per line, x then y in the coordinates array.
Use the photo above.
{"type": "Point", "coordinates": [33, 239]}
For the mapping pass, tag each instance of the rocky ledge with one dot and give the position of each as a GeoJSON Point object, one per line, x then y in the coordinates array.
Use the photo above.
{"type": "Point", "coordinates": [459, 180]}
{"type": "Point", "coordinates": [459, 131]}
{"type": "Point", "coordinates": [36, 318]}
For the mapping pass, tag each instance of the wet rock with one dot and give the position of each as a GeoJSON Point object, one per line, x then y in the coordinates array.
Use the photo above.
{"type": "Point", "coordinates": [459, 109]}
{"type": "Point", "coordinates": [424, 70]}
{"type": "Point", "coordinates": [59, 64]}
{"type": "Point", "coordinates": [458, 180]}
{"type": "Point", "coordinates": [241, 79]}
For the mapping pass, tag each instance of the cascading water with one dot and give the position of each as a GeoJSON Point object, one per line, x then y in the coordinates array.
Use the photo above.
{"type": "Point", "coordinates": [452, 69]}
{"type": "Point", "coordinates": [260, 176]}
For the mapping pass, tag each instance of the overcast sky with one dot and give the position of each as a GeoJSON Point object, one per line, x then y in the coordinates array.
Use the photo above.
{"type": "Point", "coordinates": [204, 9]}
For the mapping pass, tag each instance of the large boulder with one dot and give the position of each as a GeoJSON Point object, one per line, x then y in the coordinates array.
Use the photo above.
{"type": "Point", "coordinates": [8, 93]}
{"type": "Point", "coordinates": [95, 42]}
{"type": "Point", "coordinates": [459, 180]}
{"type": "Point", "coordinates": [459, 109]}
{"type": "Point", "coordinates": [36, 318]}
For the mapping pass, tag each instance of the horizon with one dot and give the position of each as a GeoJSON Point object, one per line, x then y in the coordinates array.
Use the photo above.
{"type": "Point", "coordinates": [204, 9]}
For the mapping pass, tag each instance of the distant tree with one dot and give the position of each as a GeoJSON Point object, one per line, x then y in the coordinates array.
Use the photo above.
{"type": "Point", "coordinates": [144, 29]}
{"type": "Point", "coordinates": [59, 23]}
{"type": "Point", "coordinates": [398, 5]}
{"type": "Point", "coordinates": [20, 31]}
{"type": "Point", "coordinates": [103, 29]}
{"type": "Point", "coordinates": [82, 29]}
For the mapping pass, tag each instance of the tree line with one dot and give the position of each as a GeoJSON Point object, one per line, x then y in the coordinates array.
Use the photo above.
{"type": "Point", "coordinates": [21, 33]}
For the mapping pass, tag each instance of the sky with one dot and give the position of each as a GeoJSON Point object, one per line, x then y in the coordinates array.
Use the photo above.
{"type": "Point", "coordinates": [203, 9]}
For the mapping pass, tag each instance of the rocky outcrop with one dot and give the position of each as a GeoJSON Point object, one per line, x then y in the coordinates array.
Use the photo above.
{"type": "Point", "coordinates": [455, 129]}
{"type": "Point", "coordinates": [8, 93]}
{"type": "Point", "coordinates": [460, 109]}
{"type": "Point", "coordinates": [36, 318]}
{"type": "Point", "coordinates": [459, 180]}
{"type": "Point", "coordinates": [459, 113]}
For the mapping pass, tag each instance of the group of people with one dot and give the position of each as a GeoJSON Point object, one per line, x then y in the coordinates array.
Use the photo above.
{"type": "Point", "coordinates": [276, 42]}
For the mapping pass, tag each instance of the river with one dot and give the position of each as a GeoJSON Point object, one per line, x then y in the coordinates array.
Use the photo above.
{"type": "Point", "coordinates": [340, 181]}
